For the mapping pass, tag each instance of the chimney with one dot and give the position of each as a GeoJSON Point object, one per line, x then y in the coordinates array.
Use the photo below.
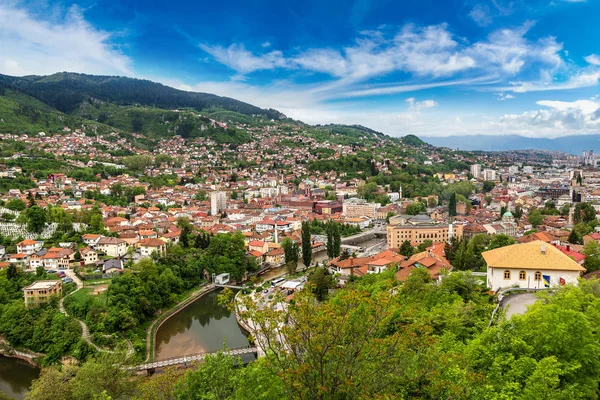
{"type": "Point", "coordinates": [543, 249]}
{"type": "Point", "coordinates": [568, 247]}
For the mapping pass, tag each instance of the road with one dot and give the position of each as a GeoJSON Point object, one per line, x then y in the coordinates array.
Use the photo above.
{"type": "Point", "coordinates": [517, 304]}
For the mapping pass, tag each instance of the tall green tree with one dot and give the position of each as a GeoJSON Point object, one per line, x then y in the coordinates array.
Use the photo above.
{"type": "Point", "coordinates": [306, 244]}
{"type": "Point", "coordinates": [36, 219]}
{"type": "Point", "coordinates": [406, 249]}
{"type": "Point", "coordinates": [584, 212]}
{"type": "Point", "coordinates": [452, 205]}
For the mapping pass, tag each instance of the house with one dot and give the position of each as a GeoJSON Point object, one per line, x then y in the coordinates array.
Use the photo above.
{"type": "Point", "coordinates": [112, 266]}
{"type": "Point", "coordinates": [88, 255]}
{"type": "Point", "coordinates": [37, 259]}
{"type": "Point", "coordinates": [40, 291]}
{"type": "Point", "coordinates": [2, 251]}
{"type": "Point", "coordinates": [29, 246]}
{"type": "Point", "coordinates": [592, 237]}
{"type": "Point", "coordinates": [111, 246]}
{"type": "Point", "coordinates": [57, 257]}
{"type": "Point", "coordinates": [257, 246]}
{"type": "Point", "coordinates": [275, 256]}
{"type": "Point", "coordinates": [534, 265]}
{"type": "Point", "coordinates": [148, 246]}
{"type": "Point", "coordinates": [18, 259]}
{"type": "Point", "coordinates": [433, 259]}
{"type": "Point", "coordinates": [91, 239]}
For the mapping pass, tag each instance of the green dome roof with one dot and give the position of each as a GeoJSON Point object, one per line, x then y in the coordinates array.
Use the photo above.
{"type": "Point", "coordinates": [507, 214]}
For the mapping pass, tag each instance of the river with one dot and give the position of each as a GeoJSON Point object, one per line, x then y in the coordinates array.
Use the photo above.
{"type": "Point", "coordinates": [204, 325]}
{"type": "Point", "coordinates": [16, 376]}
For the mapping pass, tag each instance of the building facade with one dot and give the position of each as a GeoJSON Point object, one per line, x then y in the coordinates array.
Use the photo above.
{"type": "Point", "coordinates": [41, 291]}
{"type": "Point", "coordinates": [533, 265]}
{"type": "Point", "coordinates": [418, 229]}
{"type": "Point", "coordinates": [218, 202]}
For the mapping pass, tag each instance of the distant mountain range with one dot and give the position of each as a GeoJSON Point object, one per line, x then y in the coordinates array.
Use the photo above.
{"type": "Point", "coordinates": [570, 144]}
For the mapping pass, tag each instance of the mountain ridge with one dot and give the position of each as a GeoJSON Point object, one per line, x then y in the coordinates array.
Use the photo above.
{"type": "Point", "coordinates": [573, 144]}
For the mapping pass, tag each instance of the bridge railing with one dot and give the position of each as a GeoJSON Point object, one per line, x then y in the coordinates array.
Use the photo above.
{"type": "Point", "coordinates": [190, 358]}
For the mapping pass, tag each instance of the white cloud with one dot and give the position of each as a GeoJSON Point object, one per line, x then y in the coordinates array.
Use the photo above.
{"type": "Point", "coordinates": [593, 59]}
{"type": "Point", "coordinates": [581, 80]}
{"type": "Point", "coordinates": [504, 96]}
{"type": "Point", "coordinates": [481, 15]}
{"type": "Point", "coordinates": [30, 45]}
{"type": "Point", "coordinates": [265, 44]}
{"type": "Point", "coordinates": [243, 61]}
{"type": "Point", "coordinates": [415, 105]}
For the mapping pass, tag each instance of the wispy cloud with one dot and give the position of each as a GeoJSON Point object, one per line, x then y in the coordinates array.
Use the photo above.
{"type": "Point", "coordinates": [69, 43]}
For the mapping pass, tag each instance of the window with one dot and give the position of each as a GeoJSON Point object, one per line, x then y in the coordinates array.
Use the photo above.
{"type": "Point", "coordinates": [522, 275]}
{"type": "Point", "coordinates": [507, 274]}
{"type": "Point", "coordinates": [538, 276]}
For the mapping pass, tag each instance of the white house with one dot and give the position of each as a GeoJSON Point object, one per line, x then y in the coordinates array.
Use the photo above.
{"type": "Point", "coordinates": [111, 246]}
{"type": "Point", "coordinates": [534, 265]}
{"type": "Point", "coordinates": [29, 246]}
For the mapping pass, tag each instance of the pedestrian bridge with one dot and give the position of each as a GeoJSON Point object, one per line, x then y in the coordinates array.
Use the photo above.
{"type": "Point", "coordinates": [190, 359]}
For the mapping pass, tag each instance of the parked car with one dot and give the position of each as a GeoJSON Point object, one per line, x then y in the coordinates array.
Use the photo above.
{"type": "Point", "coordinates": [61, 274]}
{"type": "Point", "coordinates": [67, 280]}
{"type": "Point", "coordinates": [61, 268]}
{"type": "Point", "coordinates": [51, 271]}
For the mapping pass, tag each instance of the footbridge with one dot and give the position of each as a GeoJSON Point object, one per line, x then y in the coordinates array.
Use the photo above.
{"type": "Point", "coordinates": [190, 359]}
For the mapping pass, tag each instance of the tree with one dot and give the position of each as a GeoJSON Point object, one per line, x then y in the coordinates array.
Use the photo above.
{"type": "Point", "coordinates": [415, 208]}
{"type": "Point", "coordinates": [488, 186]}
{"type": "Point", "coordinates": [11, 272]}
{"type": "Point", "coordinates": [431, 202]}
{"type": "Point", "coordinates": [488, 199]}
{"type": "Point", "coordinates": [406, 249]}
{"type": "Point", "coordinates": [574, 238]}
{"type": "Point", "coordinates": [350, 333]}
{"type": "Point", "coordinates": [584, 212]}
{"type": "Point", "coordinates": [306, 244]}
{"type": "Point", "coordinates": [452, 205]}
{"type": "Point", "coordinates": [592, 253]}
{"type": "Point", "coordinates": [423, 246]}
{"type": "Point", "coordinates": [321, 282]}
{"type": "Point", "coordinates": [518, 212]}
{"type": "Point", "coordinates": [16, 205]}
{"type": "Point", "coordinates": [96, 219]}
{"type": "Point", "coordinates": [36, 219]}
{"type": "Point", "coordinates": [290, 249]}
{"type": "Point", "coordinates": [500, 240]}
{"type": "Point", "coordinates": [535, 218]}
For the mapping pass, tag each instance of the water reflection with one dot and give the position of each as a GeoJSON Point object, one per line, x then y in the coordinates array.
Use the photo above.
{"type": "Point", "coordinates": [16, 377]}
{"type": "Point", "coordinates": [202, 326]}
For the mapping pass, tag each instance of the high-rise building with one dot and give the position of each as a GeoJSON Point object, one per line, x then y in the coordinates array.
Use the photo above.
{"type": "Point", "coordinates": [489, 174]}
{"type": "Point", "coordinates": [476, 170]}
{"type": "Point", "coordinates": [218, 202]}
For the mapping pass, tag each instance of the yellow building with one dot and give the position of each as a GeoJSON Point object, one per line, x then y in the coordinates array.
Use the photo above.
{"type": "Point", "coordinates": [418, 229]}
{"type": "Point", "coordinates": [40, 291]}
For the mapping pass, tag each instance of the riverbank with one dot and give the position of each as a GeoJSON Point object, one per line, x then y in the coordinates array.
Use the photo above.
{"type": "Point", "coordinates": [24, 355]}
{"type": "Point", "coordinates": [155, 326]}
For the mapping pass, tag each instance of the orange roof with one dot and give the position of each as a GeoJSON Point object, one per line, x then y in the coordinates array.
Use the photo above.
{"type": "Point", "coordinates": [27, 242]}
{"type": "Point", "coordinates": [151, 242]}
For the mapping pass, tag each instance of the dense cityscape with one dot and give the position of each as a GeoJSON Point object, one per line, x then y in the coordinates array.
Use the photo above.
{"type": "Point", "coordinates": [304, 200]}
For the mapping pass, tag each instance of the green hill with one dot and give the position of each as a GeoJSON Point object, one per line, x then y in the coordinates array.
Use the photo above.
{"type": "Point", "coordinates": [20, 113]}
{"type": "Point", "coordinates": [66, 91]}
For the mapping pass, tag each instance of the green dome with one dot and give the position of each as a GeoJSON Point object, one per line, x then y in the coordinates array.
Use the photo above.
{"type": "Point", "coordinates": [507, 214]}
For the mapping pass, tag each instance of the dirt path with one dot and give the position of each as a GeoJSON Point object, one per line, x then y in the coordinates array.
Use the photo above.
{"type": "Point", "coordinates": [85, 332]}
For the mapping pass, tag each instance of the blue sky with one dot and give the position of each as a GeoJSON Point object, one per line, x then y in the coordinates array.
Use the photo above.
{"type": "Point", "coordinates": [431, 68]}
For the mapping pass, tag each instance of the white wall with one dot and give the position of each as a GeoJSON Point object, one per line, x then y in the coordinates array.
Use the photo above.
{"type": "Point", "coordinates": [495, 277]}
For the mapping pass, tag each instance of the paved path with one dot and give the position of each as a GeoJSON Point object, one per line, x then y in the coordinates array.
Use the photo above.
{"type": "Point", "coordinates": [517, 304]}
{"type": "Point", "coordinates": [85, 332]}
